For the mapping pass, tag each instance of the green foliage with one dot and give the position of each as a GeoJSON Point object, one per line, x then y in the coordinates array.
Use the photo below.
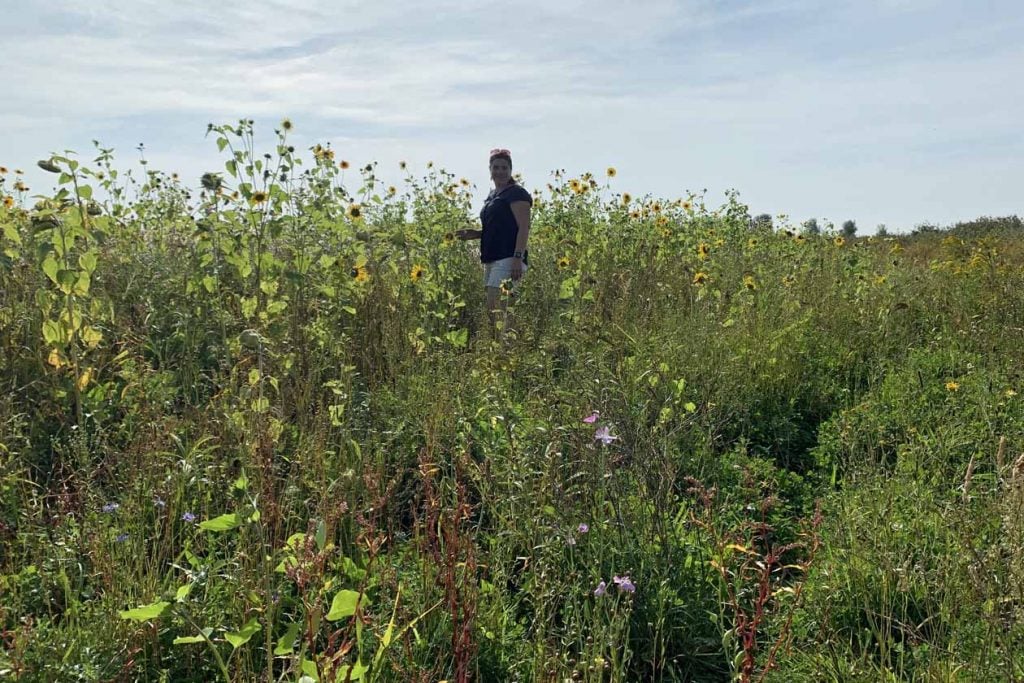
{"type": "Point", "coordinates": [263, 431]}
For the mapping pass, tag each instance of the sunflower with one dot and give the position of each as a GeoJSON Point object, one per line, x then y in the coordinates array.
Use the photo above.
{"type": "Point", "coordinates": [610, 172]}
{"type": "Point", "coordinates": [700, 278]}
{"type": "Point", "coordinates": [687, 206]}
{"type": "Point", "coordinates": [952, 386]}
{"type": "Point", "coordinates": [626, 198]}
{"type": "Point", "coordinates": [800, 239]}
{"type": "Point", "coordinates": [749, 282]}
{"type": "Point", "coordinates": [20, 186]}
{"type": "Point", "coordinates": [656, 207]}
{"type": "Point", "coordinates": [392, 190]}
{"type": "Point", "coordinates": [635, 214]}
{"type": "Point", "coordinates": [360, 273]}
{"type": "Point", "coordinates": [259, 197]}
{"type": "Point", "coordinates": [235, 195]}
{"type": "Point", "coordinates": [464, 182]}
{"type": "Point", "coordinates": [703, 250]}
{"type": "Point", "coordinates": [661, 221]}
{"type": "Point", "coordinates": [3, 170]}
{"type": "Point", "coordinates": [9, 202]}
{"type": "Point", "coordinates": [343, 165]}
{"type": "Point", "coordinates": [506, 287]}
{"type": "Point", "coordinates": [401, 165]}
{"type": "Point", "coordinates": [576, 186]}
{"type": "Point", "coordinates": [563, 263]}
{"type": "Point", "coordinates": [448, 239]}
{"type": "Point", "coordinates": [354, 211]}
{"type": "Point", "coordinates": [417, 273]}
{"type": "Point", "coordinates": [839, 241]}
{"type": "Point", "coordinates": [752, 242]}
{"type": "Point", "coordinates": [287, 125]}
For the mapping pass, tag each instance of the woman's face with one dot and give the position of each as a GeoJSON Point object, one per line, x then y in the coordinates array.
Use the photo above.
{"type": "Point", "coordinates": [501, 171]}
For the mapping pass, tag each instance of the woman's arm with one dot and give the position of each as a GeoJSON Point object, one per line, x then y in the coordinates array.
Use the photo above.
{"type": "Point", "coordinates": [521, 211]}
{"type": "Point", "coordinates": [469, 234]}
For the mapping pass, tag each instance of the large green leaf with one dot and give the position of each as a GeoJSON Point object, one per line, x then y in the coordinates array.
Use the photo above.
{"type": "Point", "coordinates": [145, 612]}
{"type": "Point", "coordinates": [222, 523]}
{"type": "Point", "coordinates": [241, 636]}
{"type": "Point", "coordinates": [343, 605]}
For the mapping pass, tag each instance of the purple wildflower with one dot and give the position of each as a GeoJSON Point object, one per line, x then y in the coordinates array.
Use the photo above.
{"type": "Point", "coordinates": [603, 434]}
{"type": "Point", "coordinates": [624, 584]}
{"type": "Point", "coordinates": [111, 508]}
{"type": "Point", "coordinates": [188, 517]}
{"type": "Point", "coordinates": [121, 538]}
{"type": "Point", "coordinates": [601, 589]}
{"type": "Point", "coordinates": [583, 528]}
{"type": "Point", "coordinates": [592, 418]}
{"type": "Point", "coordinates": [159, 502]}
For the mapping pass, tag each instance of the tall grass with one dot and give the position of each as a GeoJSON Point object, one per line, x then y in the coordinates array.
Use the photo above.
{"type": "Point", "coordinates": [261, 432]}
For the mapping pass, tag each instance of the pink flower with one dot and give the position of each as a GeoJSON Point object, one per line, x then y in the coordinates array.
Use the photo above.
{"type": "Point", "coordinates": [592, 418]}
{"type": "Point", "coordinates": [601, 589]}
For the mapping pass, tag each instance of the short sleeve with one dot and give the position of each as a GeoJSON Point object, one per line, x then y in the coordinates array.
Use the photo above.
{"type": "Point", "coordinates": [519, 194]}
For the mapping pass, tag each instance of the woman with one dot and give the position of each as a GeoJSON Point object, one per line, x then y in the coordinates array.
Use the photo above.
{"type": "Point", "coordinates": [505, 219]}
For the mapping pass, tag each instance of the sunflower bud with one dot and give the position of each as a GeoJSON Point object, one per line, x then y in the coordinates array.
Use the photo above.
{"type": "Point", "coordinates": [48, 165]}
{"type": "Point", "coordinates": [211, 181]}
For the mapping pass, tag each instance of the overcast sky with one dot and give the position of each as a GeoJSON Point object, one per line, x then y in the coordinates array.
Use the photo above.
{"type": "Point", "coordinates": [883, 111]}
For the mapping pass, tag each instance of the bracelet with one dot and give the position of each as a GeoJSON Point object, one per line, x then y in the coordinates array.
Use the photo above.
{"type": "Point", "coordinates": [517, 254]}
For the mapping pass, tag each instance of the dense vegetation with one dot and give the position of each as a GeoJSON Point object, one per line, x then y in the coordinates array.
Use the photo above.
{"type": "Point", "coordinates": [263, 433]}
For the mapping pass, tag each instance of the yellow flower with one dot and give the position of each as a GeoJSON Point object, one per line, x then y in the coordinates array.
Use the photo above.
{"type": "Point", "coordinates": [749, 282]}
{"type": "Point", "coordinates": [392, 190]}
{"type": "Point", "coordinates": [343, 165]}
{"type": "Point", "coordinates": [952, 386]}
{"type": "Point", "coordinates": [634, 214]}
{"type": "Point", "coordinates": [563, 263]}
{"type": "Point", "coordinates": [417, 273]}
{"type": "Point", "coordinates": [1010, 393]}
{"type": "Point", "coordinates": [259, 197]}
{"type": "Point", "coordinates": [448, 239]}
{"type": "Point", "coordinates": [401, 165]}
{"type": "Point", "coordinates": [703, 250]}
{"type": "Point", "coordinates": [611, 172]}
{"type": "Point", "coordinates": [661, 221]}
{"type": "Point", "coordinates": [360, 273]}
{"type": "Point", "coordinates": [9, 202]}
{"type": "Point", "coordinates": [752, 242]}
{"type": "Point", "coordinates": [20, 186]}
{"type": "Point", "coordinates": [626, 198]}
{"type": "Point", "coordinates": [880, 279]}
{"type": "Point", "coordinates": [506, 287]}
{"type": "Point", "coordinates": [800, 239]}
{"type": "Point", "coordinates": [839, 241]}
{"type": "Point", "coordinates": [700, 278]}
{"type": "Point", "coordinates": [174, 177]}
{"type": "Point", "coordinates": [286, 124]}
{"type": "Point", "coordinates": [576, 186]}
{"type": "Point", "coordinates": [234, 195]}
{"type": "Point", "coordinates": [687, 206]}
{"type": "Point", "coordinates": [354, 211]}
{"type": "Point", "coordinates": [3, 170]}
{"type": "Point", "coordinates": [789, 280]}
{"type": "Point", "coordinates": [464, 182]}
{"type": "Point", "coordinates": [656, 207]}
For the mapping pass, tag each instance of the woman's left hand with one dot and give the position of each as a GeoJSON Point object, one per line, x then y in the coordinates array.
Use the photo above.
{"type": "Point", "coordinates": [517, 269]}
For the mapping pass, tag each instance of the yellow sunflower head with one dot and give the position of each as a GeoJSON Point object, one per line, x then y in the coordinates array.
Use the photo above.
{"type": "Point", "coordinates": [749, 283]}
{"type": "Point", "coordinates": [839, 241]}
{"type": "Point", "coordinates": [259, 197]}
{"type": "Point", "coordinates": [703, 250]}
{"type": "Point", "coordinates": [9, 202]}
{"type": "Point", "coordinates": [610, 172]}
{"type": "Point", "coordinates": [417, 273]}
{"type": "Point", "coordinates": [354, 211]}
{"type": "Point", "coordinates": [360, 273]}
{"type": "Point", "coordinates": [626, 198]}
{"type": "Point", "coordinates": [563, 263]}
{"type": "Point", "coordinates": [700, 278]}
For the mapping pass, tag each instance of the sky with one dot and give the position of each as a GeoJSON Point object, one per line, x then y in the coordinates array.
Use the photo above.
{"type": "Point", "coordinates": [895, 112]}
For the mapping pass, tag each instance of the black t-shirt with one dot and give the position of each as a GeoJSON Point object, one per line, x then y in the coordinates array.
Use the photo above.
{"type": "Point", "coordinates": [500, 229]}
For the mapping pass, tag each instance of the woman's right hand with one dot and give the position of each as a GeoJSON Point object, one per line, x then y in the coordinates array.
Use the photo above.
{"type": "Point", "coordinates": [468, 234]}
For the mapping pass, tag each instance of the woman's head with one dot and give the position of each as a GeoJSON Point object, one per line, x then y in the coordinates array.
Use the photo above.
{"type": "Point", "coordinates": [501, 166]}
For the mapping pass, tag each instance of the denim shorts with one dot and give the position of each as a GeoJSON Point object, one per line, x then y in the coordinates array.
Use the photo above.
{"type": "Point", "coordinates": [496, 271]}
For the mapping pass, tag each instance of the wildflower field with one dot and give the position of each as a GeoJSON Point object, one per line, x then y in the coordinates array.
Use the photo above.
{"type": "Point", "coordinates": [259, 431]}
